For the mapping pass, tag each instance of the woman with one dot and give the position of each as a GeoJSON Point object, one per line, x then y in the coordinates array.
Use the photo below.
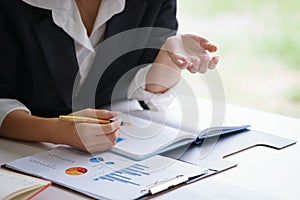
{"type": "Point", "coordinates": [46, 44]}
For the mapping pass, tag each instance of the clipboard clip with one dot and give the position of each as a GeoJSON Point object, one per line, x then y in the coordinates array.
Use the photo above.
{"type": "Point", "coordinates": [165, 184]}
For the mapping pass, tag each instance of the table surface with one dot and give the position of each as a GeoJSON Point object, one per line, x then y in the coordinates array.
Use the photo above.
{"type": "Point", "coordinates": [262, 172]}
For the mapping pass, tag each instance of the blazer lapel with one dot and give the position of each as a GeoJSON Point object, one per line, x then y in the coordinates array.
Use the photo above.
{"type": "Point", "coordinates": [59, 51]}
{"type": "Point", "coordinates": [130, 18]}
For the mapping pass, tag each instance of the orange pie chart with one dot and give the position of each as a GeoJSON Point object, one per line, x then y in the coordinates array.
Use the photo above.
{"type": "Point", "coordinates": [76, 171]}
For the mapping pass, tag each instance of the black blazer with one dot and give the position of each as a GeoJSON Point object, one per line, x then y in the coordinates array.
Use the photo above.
{"type": "Point", "coordinates": [38, 65]}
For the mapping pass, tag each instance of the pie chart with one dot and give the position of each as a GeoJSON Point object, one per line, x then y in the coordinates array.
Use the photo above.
{"type": "Point", "coordinates": [76, 171]}
{"type": "Point", "coordinates": [96, 159]}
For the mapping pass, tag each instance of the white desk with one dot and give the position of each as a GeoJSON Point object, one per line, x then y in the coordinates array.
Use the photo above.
{"type": "Point", "coordinates": [262, 172]}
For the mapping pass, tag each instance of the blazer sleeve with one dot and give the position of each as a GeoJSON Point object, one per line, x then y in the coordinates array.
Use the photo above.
{"type": "Point", "coordinates": [167, 15]}
{"type": "Point", "coordinates": [165, 19]}
{"type": "Point", "coordinates": [8, 56]}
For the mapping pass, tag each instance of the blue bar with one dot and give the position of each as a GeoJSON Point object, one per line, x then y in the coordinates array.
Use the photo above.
{"type": "Point", "coordinates": [130, 173]}
{"type": "Point", "coordinates": [122, 181]}
{"type": "Point", "coordinates": [114, 174]}
{"type": "Point", "coordinates": [105, 178]}
{"type": "Point", "coordinates": [138, 165]}
{"type": "Point", "coordinates": [137, 171]}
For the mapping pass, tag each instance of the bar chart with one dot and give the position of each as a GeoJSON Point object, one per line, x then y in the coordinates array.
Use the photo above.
{"type": "Point", "coordinates": [125, 175]}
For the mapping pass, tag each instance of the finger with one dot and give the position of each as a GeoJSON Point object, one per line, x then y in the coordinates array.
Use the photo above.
{"type": "Point", "coordinates": [111, 127]}
{"type": "Point", "coordinates": [204, 63]}
{"type": "Point", "coordinates": [209, 46]}
{"type": "Point", "coordinates": [87, 131]}
{"type": "Point", "coordinates": [195, 62]}
{"type": "Point", "coordinates": [204, 43]}
{"type": "Point", "coordinates": [178, 60]}
{"type": "Point", "coordinates": [87, 138]}
{"type": "Point", "coordinates": [213, 62]}
{"type": "Point", "coordinates": [192, 69]}
{"type": "Point", "coordinates": [103, 143]}
{"type": "Point", "coordinates": [91, 135]}
{"type": "Point", "coordinates": [94, 113]}
{"type": "Point", "coordinates": [112, 137]}
{"type": "Point", "coordinates": [106, 114]}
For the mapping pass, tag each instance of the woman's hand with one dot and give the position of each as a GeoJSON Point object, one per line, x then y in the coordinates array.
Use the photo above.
{"type": "Point", "coordinates": [180, 52]}
{"type": "Point", "coordinates": [190, 52]}
{"type": "Point", "coordinates": [91, 137]}
{"type": "Point", "coordinates": [84, 136]}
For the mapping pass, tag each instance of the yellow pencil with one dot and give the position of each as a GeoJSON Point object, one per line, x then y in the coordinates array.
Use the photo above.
{"type": "Point", "coordinates": [89, 120]}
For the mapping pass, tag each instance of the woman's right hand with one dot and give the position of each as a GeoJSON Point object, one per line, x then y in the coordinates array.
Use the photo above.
{"type": "Point", "coordinates": [90, 137]}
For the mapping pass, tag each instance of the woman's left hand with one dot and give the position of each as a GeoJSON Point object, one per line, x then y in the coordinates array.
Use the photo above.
{"type": "Point", "coordinates": [191, 52]}
{"type": "Point", "coordinates": [187, 51]}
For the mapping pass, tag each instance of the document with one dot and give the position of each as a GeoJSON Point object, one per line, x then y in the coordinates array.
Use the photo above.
{"type": "Point", "coordinates": [107, 175]}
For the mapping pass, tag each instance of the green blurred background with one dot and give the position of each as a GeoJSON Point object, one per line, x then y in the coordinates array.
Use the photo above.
{"type": "Point", "coordinates": [259, 47]}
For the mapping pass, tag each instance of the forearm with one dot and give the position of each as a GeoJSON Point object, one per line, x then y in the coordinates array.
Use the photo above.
{"type": "Point", "coordinates": [20, 125]}
{"type": "Point", "coordinates": [163, 74]}
{"type": "Point", "coordinates": [84, 136]}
